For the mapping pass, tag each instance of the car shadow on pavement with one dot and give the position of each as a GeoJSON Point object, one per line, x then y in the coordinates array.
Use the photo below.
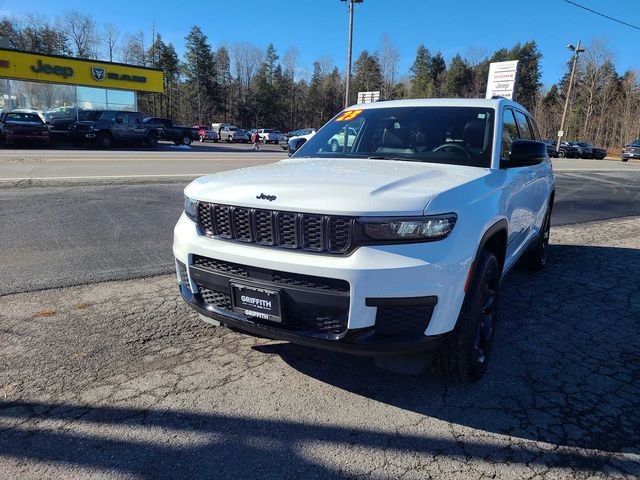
{"type": "Point", "coordinates": [565, 367]}
{"type": "Point", "coordinates": [149, 443]}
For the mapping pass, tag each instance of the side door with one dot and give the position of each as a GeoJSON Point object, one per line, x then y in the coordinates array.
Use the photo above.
{"type": "Point", "coordinates": [515, 195]}
{"type": "Point", "coordinates": [534, 188]}
{"type": "Point", "coordinates": [120, 129]}
{"type": "Point", "coordinates": [137, 129]}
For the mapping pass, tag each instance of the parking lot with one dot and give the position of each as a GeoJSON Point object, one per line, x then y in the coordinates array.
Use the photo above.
{"type": "Point", "coordinates": [108, 374]}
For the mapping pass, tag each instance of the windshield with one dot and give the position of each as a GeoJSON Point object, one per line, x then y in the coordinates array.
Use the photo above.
{"type": "Point", "coordinates": [23, 118]}
{"type": "Point", "coordinates": [452, 135]}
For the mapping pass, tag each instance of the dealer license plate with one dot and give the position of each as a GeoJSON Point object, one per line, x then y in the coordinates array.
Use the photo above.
{"type": "Point", "coordinates": [257, 302]}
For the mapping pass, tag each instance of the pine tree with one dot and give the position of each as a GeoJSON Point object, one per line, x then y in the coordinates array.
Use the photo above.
{"type": "Point", "coordinates": [457, 80]}
{"type": "Point", "coordinates": [367, 75]}
{"type": "Point", "coordinates": [200, 75]}
{"type": "Point", "coordinates": [420, 74]}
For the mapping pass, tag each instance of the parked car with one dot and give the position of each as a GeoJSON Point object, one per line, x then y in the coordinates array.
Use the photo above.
{"type": "Point", "coordinates": [567, 150]}
{"type": "Point", "coordinates": [337, 141]}
{"type": "Point", "coordinates": [18, 127]}
{"type": "Point", "coordinates": [396, 247]}
{"type": "Point", "coordinates": [585, 150]}
{"type": "Point", "coordinates": [631, 150]}
{"type": "Point", "coordinates": [206, 134]}
{"type": "Point", "coordinates": [284, 141]}
{"type": "Point", "coordinates": [305, 133]}
{"type": "Point", "coordinates": [551, 148]}
{"type": "Point", "coordinates": [268, 135]}
{"type": "Point", "coordinates": [217, 127]}
{"type": "Point", "coordinates": [233, 134]}
{"type": "Point", "coordinates": [104, 128]}
{"type": "Point", "coordinates": [599, 153]}
{"type": "Point", "coordinates": [168, 131]}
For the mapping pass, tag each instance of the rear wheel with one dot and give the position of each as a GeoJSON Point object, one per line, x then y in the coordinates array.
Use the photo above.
{"type": "Point", "coordinates": [186, 140]}
{"type": "Point", "coordinates": [334, 145]}
{"type": "Point", "coordinates": [537, 257]}
{"type": "Point", "coordinates": [152, 140]}
{"type": "Point", "coordinates": [465, 356]}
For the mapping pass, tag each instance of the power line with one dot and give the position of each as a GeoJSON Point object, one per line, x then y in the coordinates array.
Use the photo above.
{"type": "Point", "coordinates": [602, 14]}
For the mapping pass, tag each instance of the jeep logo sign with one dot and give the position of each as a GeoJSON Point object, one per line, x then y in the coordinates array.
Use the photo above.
{"type": "Point", "coordinates": [63, 72]}
{"type": "Point", "coordinates": [97, 73]}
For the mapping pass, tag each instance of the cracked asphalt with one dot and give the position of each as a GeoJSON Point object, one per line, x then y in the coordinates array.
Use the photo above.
{"type": "Point", "coordinates": [121, 380]}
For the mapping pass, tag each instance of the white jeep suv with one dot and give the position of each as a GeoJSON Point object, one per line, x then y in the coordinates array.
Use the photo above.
{"type": "Point", "coordinates": [394, 244]}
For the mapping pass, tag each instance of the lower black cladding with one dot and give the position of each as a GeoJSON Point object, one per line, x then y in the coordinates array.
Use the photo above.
{"type": "Point", "coordinates": [313, 305]}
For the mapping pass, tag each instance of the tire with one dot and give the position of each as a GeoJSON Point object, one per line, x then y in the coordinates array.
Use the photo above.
{"type": "Point", "coordinates": [561, 154]}
{"type": "Point", "coordinates": [215, 141]}
{"type": "Point", "coordinates": [186, 141]}
{"type": "Point", "coordinates": [104, 140]}
{"type": "Point", "coordinates": [624, 159]}
{"type": "Point", "coordinates": [536, 257]}
{"type": "Point", "coordinates": [152, 140]}
{"type": "Point", "coordinates": [334, 146]}
{"type": "Point", "coordinates": [465, 355]}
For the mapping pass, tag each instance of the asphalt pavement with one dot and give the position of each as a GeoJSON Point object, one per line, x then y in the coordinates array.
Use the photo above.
{"type": "Point", "coordinates": [71, 235]}
{"type": "Point", "coordinates": [120, 380]}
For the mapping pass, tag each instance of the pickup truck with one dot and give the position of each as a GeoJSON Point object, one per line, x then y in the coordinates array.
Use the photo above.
{"type": "Point", "coordinates": [393, 247]}
{"type": "Point", "coordinates": [104, 128]}
{"type": "Point", "coordinates": [168, 131]}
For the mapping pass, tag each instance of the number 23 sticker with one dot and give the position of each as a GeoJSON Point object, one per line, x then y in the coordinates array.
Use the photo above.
{"type": "Point", "coordinates": [348, 115]}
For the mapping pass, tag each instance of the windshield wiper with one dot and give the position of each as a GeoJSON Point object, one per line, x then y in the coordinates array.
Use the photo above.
{"type": "Point", "coordinates": [384, 157]}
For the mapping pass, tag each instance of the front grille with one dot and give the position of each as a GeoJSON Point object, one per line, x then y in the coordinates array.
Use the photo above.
{"type": "Point", "coordinates": [271, 276]}
{"type": "Point", "coordinates": [216, 299]}
{"type": "Point", "coordinates": [313, 233]}
{"type": "Point", "coordinates": [405, 320]}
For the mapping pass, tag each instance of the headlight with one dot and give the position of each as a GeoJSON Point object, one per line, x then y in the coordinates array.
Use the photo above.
{"type": "Point", "coordinates": [409, 229]}
{"type": "Point", "coordinates": [191, 208]}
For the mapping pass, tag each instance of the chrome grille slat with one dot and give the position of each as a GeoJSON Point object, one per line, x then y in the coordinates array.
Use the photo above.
{"type": "Point", "coordinates": [290, 230]}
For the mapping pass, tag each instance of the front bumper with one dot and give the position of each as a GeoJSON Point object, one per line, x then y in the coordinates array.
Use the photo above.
{"type": "Point", "coordinates": [409, 271]}
{"type": "Point", "coordinates": [83, 135]}
{"type": "Point", "coordinates": [365, 341]}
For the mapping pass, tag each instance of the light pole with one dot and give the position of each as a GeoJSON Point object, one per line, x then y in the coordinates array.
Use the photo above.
{"type": "Point", "coordinates": [576, 51]}
{"type": "Point", "coordinates": [347, 92]}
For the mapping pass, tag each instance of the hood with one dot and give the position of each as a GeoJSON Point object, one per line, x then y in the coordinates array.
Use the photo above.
{"type": "Point", "coordinates": [334, 186]}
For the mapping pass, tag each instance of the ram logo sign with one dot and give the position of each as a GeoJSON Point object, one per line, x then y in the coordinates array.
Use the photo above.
{"type": "Point", "coordinates": [97, 73]}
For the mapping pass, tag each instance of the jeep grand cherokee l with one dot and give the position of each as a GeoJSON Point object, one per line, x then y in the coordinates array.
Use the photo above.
{"type": "Point", "coordinates": [395, 244]}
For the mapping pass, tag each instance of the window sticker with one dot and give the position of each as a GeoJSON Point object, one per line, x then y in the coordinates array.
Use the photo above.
{"type": "Point", "coordinates": [348, 115]}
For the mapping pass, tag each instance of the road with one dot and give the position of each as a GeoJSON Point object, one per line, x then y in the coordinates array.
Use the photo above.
{"type": "Point", "coordinates": [120, 380]}
{"type": "Point", "coordinates": [69, 235]}
{"type": "Point", "coordinates": [42, 167]}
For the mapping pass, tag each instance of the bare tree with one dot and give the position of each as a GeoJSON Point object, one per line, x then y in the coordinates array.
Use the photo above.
{"type": "Point", "coordinates": [389, 56]}
{"type": "Point", "coordinates": [132, 50]}
{"type": "Point", "coordinates": [111, 37]}
{"type": "Point", "coordinates": [82, 33]}
{"type": "Point", "coordinates": [290, 62]}
{"type": "Point", "coordinates": [246, 59]}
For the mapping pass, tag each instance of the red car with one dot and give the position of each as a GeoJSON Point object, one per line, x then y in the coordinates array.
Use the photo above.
{"type": "Point", "coordinates": [23, 127]}
{"type": "Point", "coordinates": [206, 133]}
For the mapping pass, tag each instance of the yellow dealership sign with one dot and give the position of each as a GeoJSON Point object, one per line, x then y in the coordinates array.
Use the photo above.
{"type": "Point", "coordinates": [75, 71]}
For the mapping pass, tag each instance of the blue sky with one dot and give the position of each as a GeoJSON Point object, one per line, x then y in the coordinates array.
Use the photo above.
{"type": "Point", "coordinates": [319, 27]}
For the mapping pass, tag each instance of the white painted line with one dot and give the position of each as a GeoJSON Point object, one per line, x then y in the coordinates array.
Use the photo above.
{"type": "Point", "coordinates": [96, 177]}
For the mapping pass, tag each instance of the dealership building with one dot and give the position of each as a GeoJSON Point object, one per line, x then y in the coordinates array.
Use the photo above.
{"type": "Point", "coordinates": [66, 86]}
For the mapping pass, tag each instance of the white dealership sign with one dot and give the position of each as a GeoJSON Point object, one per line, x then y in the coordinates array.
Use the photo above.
{"type": "Point", "coordinates": [368, 97]}
{"type": "Point", "coordinates": [502, 79]}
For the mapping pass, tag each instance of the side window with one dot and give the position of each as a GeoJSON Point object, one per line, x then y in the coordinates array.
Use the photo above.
{"type": "Point", "coordinates": [122, 118]}
{"type": "Point", "coordinates": [509, 132]}
{"type": "Point", "coordinates": [534, 128]}
{"type": "Point", "coordinates": [523, 126]}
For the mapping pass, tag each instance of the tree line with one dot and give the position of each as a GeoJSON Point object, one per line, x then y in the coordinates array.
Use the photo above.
{"type": "Point", "coordinates": [248, 86]}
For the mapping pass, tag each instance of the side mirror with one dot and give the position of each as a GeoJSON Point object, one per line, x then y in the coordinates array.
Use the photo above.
{"type": "Point", "coordinates": [526, 153]}
{"type": "Point", "coordinates": [295, 144]}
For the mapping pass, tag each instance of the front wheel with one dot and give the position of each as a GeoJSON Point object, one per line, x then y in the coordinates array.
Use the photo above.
{"type": "Point", "coordinates": [334, 146]}
{"type": "Point", "coordinates": [104, 140]}
{"type": "Point", "coordinates": [465, 355]}
{"type": "Point", "coordinates": [186, 141]}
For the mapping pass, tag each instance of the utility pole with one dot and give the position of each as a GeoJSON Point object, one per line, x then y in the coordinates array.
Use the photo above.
{"type": "Point", "coordinates": [348, 79]}
{"type": "Point", "coordinates": [577, 51]}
